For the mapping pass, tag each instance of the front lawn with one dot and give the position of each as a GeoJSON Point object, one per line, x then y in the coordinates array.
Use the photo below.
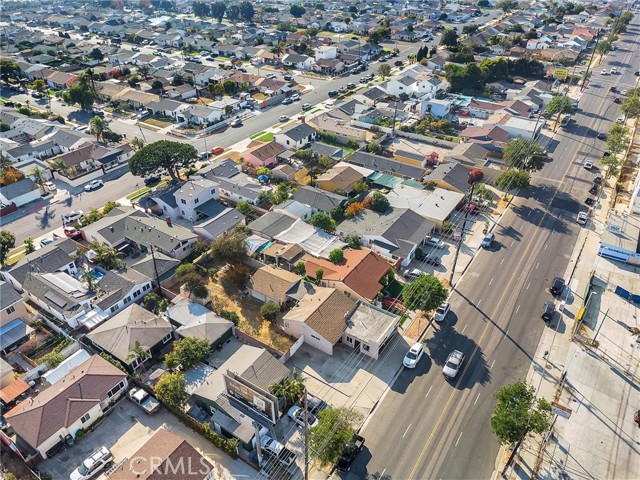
{"type": "Point", "coordinates": [394, 289]}
{"type": "Point", "coordinates": [267, 137]}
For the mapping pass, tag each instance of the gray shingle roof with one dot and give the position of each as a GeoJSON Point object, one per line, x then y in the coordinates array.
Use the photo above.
{"type": "Point", "coordinates": [299, 132]}
{"type": "Point", "coordinates": [318, 199]}
{"type": "Point", "coordinates": [47, 259]}
{"type": "Point", "coordinates": [386, 165]}
{"type": "Point", "coordinates": [271, 224]}
{"type": "Point", "coordinates": [18, 188]}
{"type": "Point", "coordinates": [265, 371]}
{"type": "Point", "coordinates": [8, 296]}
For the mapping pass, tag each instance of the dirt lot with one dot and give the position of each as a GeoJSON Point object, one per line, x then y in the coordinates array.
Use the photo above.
{"type": "Point", "coordinates": [225, 295]}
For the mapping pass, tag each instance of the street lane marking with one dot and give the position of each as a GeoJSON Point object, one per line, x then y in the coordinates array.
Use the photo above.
{"type": "Point", "coordinates": [545, 247]}
{"type": "Point", "coordinates": [478, 304]}
{"type": "Point", "coordinates": [405, 432]}
{"type": "Point", "coordinates": [537, 265]}
{"type": "Point", "coordinates": [491, 281]}
{"type": "Point", "coordinates": [512, 242]}
{"type": "Point", "coordinates": [465, 327]}
{"type": "Point", "coordinates": [477, 398]}
{"type": "Point", "coordinates": [506, 333]}
{"type": "Point", "coordinates": [492, 364]}
{"type": "Point", "coordinates": [518, 309]}
{"type": "Point", "coordinates": [459, 436]}
{"type": "Point", "coordinates": [428, 391]}
{"type": "Point", "coordinates": [528, 285]}
{"type": "Point", "coordinates": [501, 261]}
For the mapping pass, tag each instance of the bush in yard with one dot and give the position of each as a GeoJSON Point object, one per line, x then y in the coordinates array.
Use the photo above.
{"type": "Point", "coordinates": [229, 248]}
{"type": "Point", "coordinates": [170, 389]}
{"type": "Point", "coordinates": [239, 275]}
{"type": "Point", "coordinates": [231, 316]}
{"type": "Point", "coordinates": [299, 268]}
{"type": "Point", "coordinates": [354, 209]}
{"type": "Point", "coordinates": [379, 202]}
{"type": "Point", "coordinates": [187, 353]}
{"type": "Point", "coordinates": [336, 255]}
{"type": "Point", "coordinates": [323, 221]}
{"type": "Point", "coordinates": [269, 311]}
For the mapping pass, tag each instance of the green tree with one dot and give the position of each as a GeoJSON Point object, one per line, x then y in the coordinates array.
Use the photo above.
{"type": "Point", "coordinates": [449, 38]}
{"type": "Point", "coordinates": [323, 221]}
{"type": "Point", "coordinates": [299, 268]}
{"type": "Point", "coordinates": [506, 5]}
{"type": "Point", "coordinates": [630, 106]}
{"type": "Point", "coordinates": [297, 10]}
{"type": "Point", "coordinates": [335, 429]}
{"type": "Point", "coordinates": [140, 353]}
{"type": "Point", "coordinates": [425, 293]}
{"type": "Point", "coordinates": [247, 11]}
{"type": "Point", "coordinates": [319, 275]}
{"type": "Point", "coordinates": [8, 69]}
{"type": "Point", "coordinates": [360, 187]}
{"type": "Point", "coordinates": [379, 203]}
{"type": "Point", "coordinates": [513, 179]}
{"type": "Point", "coordinates": [269, 311]}
{"type": "Point", "coordinates": [336, 255]}
{"type": "Point", "coordinates": [187, 353]}
{"type": "Point", "coordinates": [98, 126]}
{"type": "Point", "coordinates": [96, 54]}
{"type": "Point", "coordinates": [200, 9]}
{"type": "Point", "coordinates": [217, 10]}
{"type": "Point", "coordinates": [233, 12]}
{"type": "Point", "coordinates": [291, 389]}
{"type": "Point", "coordinates": [229, 248]}
{"type": "Point", "coordinates": [29, 247]}
{"type": "Point", "coordinates": [354, 242]}
{"type": "Point", "coordinates": [558, 105]}
{"type": "Point", "coordinates": [137, 143]}
{"type": "Point", "coordinates": [107, 256]}
{"type": "Point", "coordinates": [189, 276]}
{"type": "Point", "coordinates": [151, 302]}
{"type": "Point", "coordinates": [523, 154]}
{"type": "Point", "coordinates": [52, 359]}
{"type": "Point", "coordinates": [39, 86]}
{"type": "Point", "coordinates": [384, 70]}
{"type": "Point", "coordinates": [617, 139]}
{"type": "Point", "coordinates": [38, 177]}
{"type": "Point", "coordinates": [244, 207]}
{"type": "Point", "coordinates": [156, 85]}
{"type": "Point", "coordinates": [171, 390]}
{"type": "Point", "coordinates": [374, 147]}
{"type": "Point", "coordinates": [163, 154]}
{"type": "Point", "coordinates": [78, 93]}
{"type": "Point", "coordinates": [518, 412]}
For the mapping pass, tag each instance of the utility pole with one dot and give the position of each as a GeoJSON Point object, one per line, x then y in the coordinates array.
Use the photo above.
{"type": "Point", "coordinates": [464, 225]}
{"type": "Point", "coordinates": [586, 73]}
{"type": "Point", "coordinates": [256, 425]}
{"type": "Point", "coordinates": [306, 437]}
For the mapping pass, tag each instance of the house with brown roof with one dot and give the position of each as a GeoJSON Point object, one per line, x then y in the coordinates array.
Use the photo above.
{"type": "Point", "coordinates": [165, 455]}
{"type": "Point", "coordinates": [341, 179]}
{"type": "Point", "coordinates": [359, 275]}
{"type": "Point", "coordinates": [263, 155]}
{"type": "Point", "coordinates": [488, 135]}
{"type": "Point", "coordinates": [270, 283]}
{"type": "Point", "coordinates": [43, 423]}
{"type": "Point", "coordinates": [320, 317]}
{"type": "Point", "coordinates": [61, 80]}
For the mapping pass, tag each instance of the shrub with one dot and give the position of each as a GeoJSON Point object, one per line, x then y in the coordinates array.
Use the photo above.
{"type": "Point", "coordinates": [231, 316]}
{"type": "Point", "coordinates": [336, 255]}
{"type": "Point", "coordinates": [269, 311]}
{"type": "Point", "coordinates": [353, 209]}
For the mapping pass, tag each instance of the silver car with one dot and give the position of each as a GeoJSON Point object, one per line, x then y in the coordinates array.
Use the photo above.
{"type": "Point", "coordinates": [453, 364]}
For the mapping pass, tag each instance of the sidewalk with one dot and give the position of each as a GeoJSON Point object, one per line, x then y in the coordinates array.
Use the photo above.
{"type": "Point", "coordinates": [596, 375]}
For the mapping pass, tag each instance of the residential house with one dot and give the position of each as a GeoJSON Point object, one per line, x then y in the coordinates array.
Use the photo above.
{"type": "Point", "coordinates": [294, 209]}
{"type": "Point", "coordinates": [167, 107]}
{"type": "Point", "coordinates": [282, 254]}
{"type": "Point", "coordinates": [320, 318]}
{"type": "Point", "coordinates": [263, 155]}
{"type": "Point", "coordinates": [201, 115]}
{"type": "Point", "coordinates": [313, 240]}
{"type": "Point", "coordinates": [237, 188]}
{"type": "Point", "coordinates": [491, 134]}
{"type": "Point", "coordinates": [318, 200]}
{"type": "Point", "coordinates": [436, 107]}
{"type": "Point", "coordinates": [161, 456]}
{"type": "Point", "coordinates": [193, 320]}
{"type": "Point", "coordinates": [43, 423]}
{"type": "Point", "coordinates": [359, 275]}
{"type": "Point", "coordinates": [221, 221]}
{"type": "Point", "coordinates": [452, 176]}
{"type": "Point", "coordinates": [132, 328]}
{"type": "Point", "coordinates": [436, 205]}
{"type": "Point", "coordinates": [386, 165]}
{"type": "Point", "coordinates": [61, 80]}
{"type": "Point", "coordinates": [13, 329]}
{"type": "Point", "coordinates": [472, 155]}
{"type": "Point", "coordinates": [299, 62]}
{"type": "Point", "coordinates": [20, 193]}
{"type": "Point", "coordinates": [296, 137]}
{"type": "Point", "coordinates": [515, 126]}
{"type": "Point", "coordinates": [284, 172]}
{"type": "Point", "coordinates": [339, 179]}
{"type": "Point", "coordinates": [189, 200]}
{"type": "Point", "coordinates": [271, 284]}
{"type": "Point", "coordinates": [369, 329]}
{"type": "Point", "coordinates": [271, 224]}
{"type": "Point", "coordinates": [395, 234]}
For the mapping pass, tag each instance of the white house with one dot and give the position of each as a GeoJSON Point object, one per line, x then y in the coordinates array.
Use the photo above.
{"type": "Point", "coordinates": [296, 137]}
{"type": "Point", "coordinates": [437, 108]}
{"type": "Point", "coordinates": [21, 192]}
{"type": "Point", "coordinates": [299, 62]}
{"type": "Point", "coordinates": [326, 52]}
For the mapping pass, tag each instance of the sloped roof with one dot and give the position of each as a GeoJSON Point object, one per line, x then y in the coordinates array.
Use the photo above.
{"type": "Point", "coordinates": [342, 177]}
{"type": "Point", "coordinates": [134, 324]}
{"type": "Point", "coordinates": [272, 282]}
{"type": "Point", "coordinates": [198, 321]}
{"type": "Point", "coordinates": [37, 419]}
{"type": "Point", "coordinates": [266, 151]}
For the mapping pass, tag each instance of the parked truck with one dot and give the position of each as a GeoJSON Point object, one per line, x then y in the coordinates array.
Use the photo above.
{"type": "Point", "coordinates": [147, 402]}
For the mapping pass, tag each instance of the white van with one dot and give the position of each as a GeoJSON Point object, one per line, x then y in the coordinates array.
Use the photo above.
{"type": "Point", "coordinates": [488, 239]}
{"type": "Point", "coordinates": [92, 465]}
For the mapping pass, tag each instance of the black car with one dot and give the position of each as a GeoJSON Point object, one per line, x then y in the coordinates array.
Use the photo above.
{"type": "Point", "coordinates": [349, 453]}
{"type": "Point", "coordinates": [288, 77]}
{"type": "Point", "coordinates": [429, 259]}
{"type": "Point", "coordinates": [351, 86]}
{"type": "Point", "coordinates": [398, 63]}
{"type": "Point", "coordinates": [589, 201]}
{"type": "Point", "coordinates": [333, 93]}
{"type": "Point", "coordinates": [315, 405]}
{"type": "Point", "coordinates": [601, 136]}
{"type": "Point", "coordinates": [548, 310]}
{"type": "Point", "coordinates": [557, 286]}
{"type": "Point", "coordinates": [151, 179]}
{"type": "Point", "coordinates": [9, 104]}
{"type": "Point", "coordinates": [597, 179]}
{"type": "Point", "coordinates": [606, 153]}
{"type": "Point", "coordinates": [594, 189]}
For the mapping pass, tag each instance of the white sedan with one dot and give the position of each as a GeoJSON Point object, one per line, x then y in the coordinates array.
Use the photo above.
{"type": "Point", "coordinates": [582, 218]}
{"type": "Point", "coordinates": [93, 185]}
{"type": "Point", "coordinates": [588, 164]}
{"type": "Point", "coordinates": [442, 311]}
{"type": "Point", "coordinates": [283, 118]}
{"type": "Point", "coordinates": [453, 364]}
{"type": "Point", "coordinates": [413, 356]}
{"type": "Point", "coordinates": [50, 186]}
{"type": "Point", "coordinates": [297, 415]}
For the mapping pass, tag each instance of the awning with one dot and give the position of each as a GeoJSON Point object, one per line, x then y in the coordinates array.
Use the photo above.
{"type": "Point", "coordinates": [12, 391]}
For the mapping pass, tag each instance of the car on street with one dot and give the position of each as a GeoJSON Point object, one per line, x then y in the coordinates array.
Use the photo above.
{"type": "Point", "coordinates": [590, 201]}
{"type": "Point", "coordinates": [614, 71]}
{"type": "Point", "coordinates": [597, 179]}
{"type": "Point", "coordinates": [217, 150]}
{"type": "Point", "coordinates": [582, 218]}
{"type": "Point", "coordinates": [620, 119]}
{"type": "Point", "coordinates": [414, 355]}
{"type": "Point", "coordinates": [295, 97]}
{"type": "Point", "coordinates": [617, 100]}
{"type": "Point", "coordinates": [343, 89]}
{"type": "Point", "coordinates": [398, 63]}
{"type": "Point", "coordinates": [434, 242]}
{"type": "Point", "coordinates": [557, 286]}
{"type": "Point", "coordinates": [488, 239]}
{"type": "Point", "coordinates": [72, 232]}
{"type": "Point", "coordinates": [333, 93]}
{"type": "Point", "coordinates": [624, 92]}
{"type": "Point", "coordinates": [271, 76]}
{"type": "Point", "coordinates": [382, 60]}
{"type": "Point", "coordinates": [288, 77]}
{"type": "Point", "coordinates": [287, 101]}
{"type": "Point", "coordinates": [351, 86]}
{"type": "Point", "coordinates": [9, 104]}
{"type": "Point", "coordinates": [601, 136]}
{"type": "Point", "coordinates": [50, 186]}
{"type": "Point", "coordinates": [453, 364]}
{"type": "Point", "coordinates": [151, 179]}
{"type": "Point", "coordinates": [441, 312]}
{"type": "Point", "coordinates": [548, 309]}
{"type": "Point", "coordinates": [315, 405]}
{"type": "Point", "coordinates": [36, 94]}
{"type": "Point", "coordinates": [236, 122]}
{"type": "Point", "coordinates": [588, 164]}
{"type": "Point", "coordinates": [72, 216]}
{"type": "Point", "coordinates": [296, 414]}
{"type": "Point", "coordinates": [637, 73]}
{"type": "Point", "coordinates": [93, 185]}
{"type": "Point", "coordinates": [349, 453]}
{"type": "Point", "coordinates": [472, 209]}
{"type": "Point", "coordinates": [46, 241]}
{"type": "Point", "coordinates": [283, 118]}
{"type": "Point", "coordinates": [362, 80]}
{"type": "Point", "coordinates": [604, 72]}
{"type": "Point", "coordinates": [594, 189]}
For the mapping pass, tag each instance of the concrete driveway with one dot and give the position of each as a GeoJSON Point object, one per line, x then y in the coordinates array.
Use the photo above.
{"type": "Point", "coordinates": [127, 429]}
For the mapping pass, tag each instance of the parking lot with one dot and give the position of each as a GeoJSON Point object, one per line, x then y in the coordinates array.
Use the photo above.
{"type": "Point", "coordinates": [125, 430]}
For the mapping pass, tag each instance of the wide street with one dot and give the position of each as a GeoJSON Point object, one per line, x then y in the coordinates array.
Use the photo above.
{"type": "Point", "coordinates": [428, 427]}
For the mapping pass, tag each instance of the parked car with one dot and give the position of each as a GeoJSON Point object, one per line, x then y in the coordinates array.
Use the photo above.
{"type": "Point", "coordinates": [432, 260]}
{"type": "Point", "coordinates": [557, 286]}
{"type": "Point", "coordinates": [297, 415]}
{"type": "Point", "coordinates": [144, 114]}
{"type": "Point", "coordinates": [594, 189]}
{"type": "Point", "coordinates": [548, 309]}
{"type": "Point", "coordinates": [453, 364]}
{"type": "Point", "coordinates": [93, 185]}
{"type": "Point", "coordinates": [351, 86]}
{"type": "Point", "coordinates": [287, 101]}
{"type": "Point", "coordinates": [283, 118]}
{"type": "Point", "coordinates": [90, 467]}
{"type": "Point", "coordinates": [398, 63]}
{"type": "Point", "coordinates": [50, 186]}
{"type": "Point", "coordinates": [72, 232]}
{"type": "Point", "coordinates": [597, 179]}
{"type": "Point", "coordinates": [73, 216]}
{"type": "Point", "coordinates": [488, 239]}
{"type": "Point", "coordinates": [152, 179]}
{"type": "Point", "coordinates": [295, 97]}
{"type": "Point", "coordinates": [271, 76]}
{"type": "Point", "coordinates": [342, 89]}
{"type": "Point", "coordinates": [306, 106]}
{"type": "Point", "coordinates": [217, 150]}
{"type": "Point", "coordinates": [582, 218]}
{"type": "Point", "coordinates": [413, 273]}
{"type": "Point", "coordinates": [315, 405]}
{"type": "Point", "coordinates": [274, 448]}
{"type": "Point", "coordinates": [414, 355]}
{"type": "Point", "coordinates": [349, 453]}
{"type": "Point", "coordinates": [472, 208]}
{"type": "Point", "coordinates": [441, 312]}
{"type": "Point", "coordinates": [601, 136]}
{"type": "Point", "coordinates": [46, 241]}
{"type": "Point", "coordinates": [620, 119]}
{"type": "Point", "coordinates": [141, 398]}
{"type": "Point", "coordinates": [362, 80]}
{"type": "Point", "coordinates": [9, 104]}
{"type": "Point", "coordinates": [590, 201]}
{"type": "Point", "coordinates": [98, 113]}
{"type": "Point", "coordinates": [236, 122]}
{"type": "Point", "coordinates": [333, 93]}
{"type": "Point", "coordinates": [617, 100]}
{"type": "Point", "coordinates": [36, 94]}
{"type": "Point", "coordinates": [434, 242]}
{"type": "Point", "coordinates": [588, 164]}
{"type": "Point", "coordinates": [288, 77]}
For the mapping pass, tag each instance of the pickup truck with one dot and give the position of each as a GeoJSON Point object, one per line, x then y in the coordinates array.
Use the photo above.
{"type": "Point", "coordinates": [147, 402]}
{"type": "Point", "coordinates": [349, 453]}
{"type": "Point", "coordinates": [274, 448]}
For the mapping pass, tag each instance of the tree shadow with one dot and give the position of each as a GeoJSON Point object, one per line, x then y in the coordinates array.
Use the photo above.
{"type": "Point", "coordinates": [510, 232]}
{"type": "Point", "coordinates": [43, 219]}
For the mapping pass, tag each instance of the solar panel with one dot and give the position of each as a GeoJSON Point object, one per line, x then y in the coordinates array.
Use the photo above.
{"type": "Point", "coordinates": [55, 299]}
{"type": "Point", "coordinates": [64, 282]}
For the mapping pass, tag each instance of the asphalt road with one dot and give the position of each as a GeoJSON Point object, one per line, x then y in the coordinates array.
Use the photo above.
{"type": "Point", "coordinates": [428, 427]}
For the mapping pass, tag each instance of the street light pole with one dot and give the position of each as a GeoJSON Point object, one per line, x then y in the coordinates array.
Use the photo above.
{"type": "Point", "coordinates": [464, 225]}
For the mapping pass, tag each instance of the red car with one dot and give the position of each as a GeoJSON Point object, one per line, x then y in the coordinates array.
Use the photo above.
{"type": "Point", "coordinates": [472, 209]}
{"type": "Point", "coordinates": [72, 232]}
{"type": "Point", "coordinates": [217, 150]}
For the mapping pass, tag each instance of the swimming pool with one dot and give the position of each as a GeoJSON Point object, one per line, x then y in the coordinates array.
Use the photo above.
{"type": "Point", "coordinates": [97, 274]}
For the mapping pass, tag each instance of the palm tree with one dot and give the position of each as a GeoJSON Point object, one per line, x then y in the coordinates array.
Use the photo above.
{"type": "Point", "coordinates": [143, 70]}
{"type": "Point", "coordinates": [59, 165]}
{"type": "Point", "coordinates": [29, 247]}
{"type": "Point", "coordinates": [137, 143]}
{"type": "Point", "coordinates": [290, 389]}
{"type": "Point", "coordinates": [87, 78]}
{"type": "Point", "coordinates": [139, 352]}
{"type": "Point", "coordinates": [90, 279]}
{"type": "Point", "coordinates": [98, 126]}
{"type": "Point", "coordinates": [37, 175]}
{"type": "Point", "coordinates": [107, 256]}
